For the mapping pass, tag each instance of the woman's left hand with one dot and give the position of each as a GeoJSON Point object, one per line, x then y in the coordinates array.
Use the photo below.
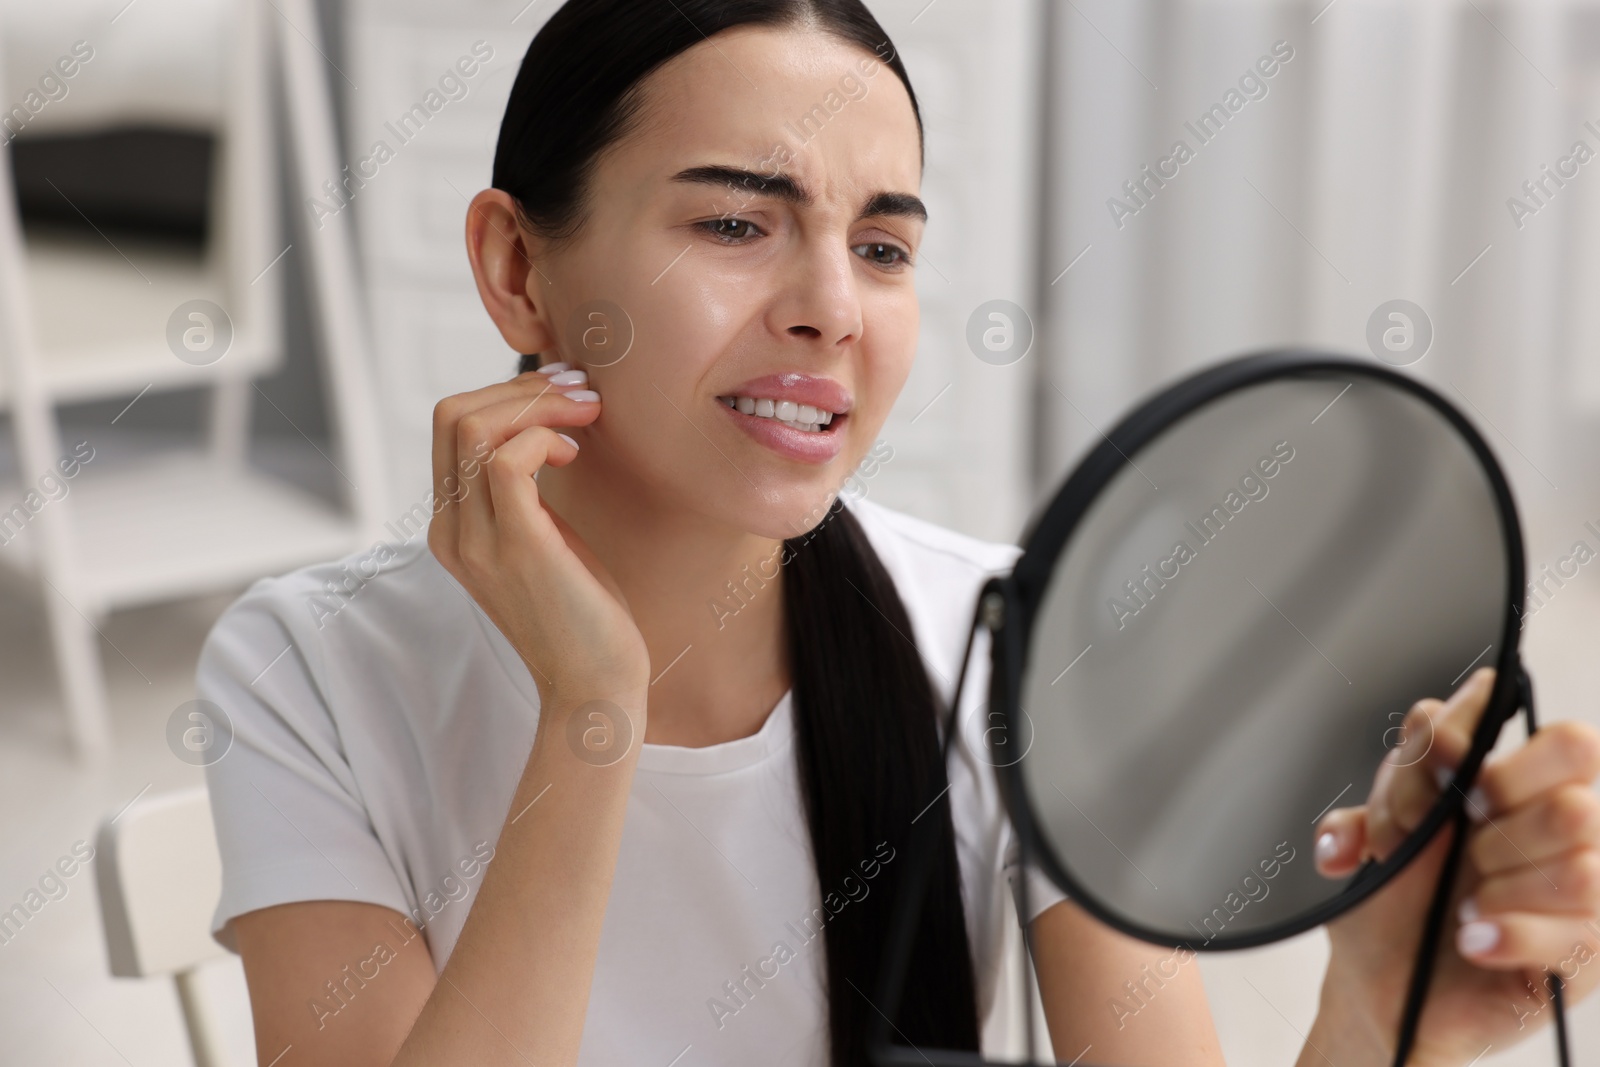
{"type": "Point", "coordinates": [1527, 897]}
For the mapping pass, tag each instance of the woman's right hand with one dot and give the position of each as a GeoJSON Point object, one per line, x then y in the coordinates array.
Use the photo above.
{"type": "Point", "coordinates": [530, 571]}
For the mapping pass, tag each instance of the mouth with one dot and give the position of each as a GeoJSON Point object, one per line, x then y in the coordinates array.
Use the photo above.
{"type": "Point", "coordinates": [802, 417]}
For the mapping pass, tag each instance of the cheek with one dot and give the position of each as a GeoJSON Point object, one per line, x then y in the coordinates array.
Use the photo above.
{"type": "Point", "coordinates": [888, 356]}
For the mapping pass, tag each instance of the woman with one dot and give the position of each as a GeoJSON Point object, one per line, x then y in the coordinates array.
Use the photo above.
{"type": "Point", "coordinates": [636, 748]}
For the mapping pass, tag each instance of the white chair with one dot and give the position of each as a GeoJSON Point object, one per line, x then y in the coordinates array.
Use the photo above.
{"type": "Point", "coordinates": [159, 874]}
{"type": "Point", "coordinates": [79, 321]}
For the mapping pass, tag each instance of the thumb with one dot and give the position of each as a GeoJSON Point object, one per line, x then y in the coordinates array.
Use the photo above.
{"type": "Point", "coordinates": [1341, 842]}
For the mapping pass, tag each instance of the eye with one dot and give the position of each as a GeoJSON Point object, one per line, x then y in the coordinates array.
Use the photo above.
{"type": "Point", "coordinates": [713, 227]}
{"type": "Point", "coordinates": [878, 248]}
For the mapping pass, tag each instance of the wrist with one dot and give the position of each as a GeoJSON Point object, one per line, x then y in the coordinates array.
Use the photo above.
{"type": "Point", "coordinates": [584, 726]}
{"type": "Point", "coordinates": [1347, 1031]}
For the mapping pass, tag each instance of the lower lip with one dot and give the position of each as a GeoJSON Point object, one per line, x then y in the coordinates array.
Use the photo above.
{"type": "Point", "coordinates": [786, 440]}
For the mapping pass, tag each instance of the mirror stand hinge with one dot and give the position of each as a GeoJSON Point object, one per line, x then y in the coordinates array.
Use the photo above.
{"type": "Point", "coordinates": [994, 610]}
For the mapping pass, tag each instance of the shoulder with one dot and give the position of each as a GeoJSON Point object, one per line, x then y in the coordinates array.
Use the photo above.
{"type": "Point", "coordinates": [925, 546]}
{"type": "Point", "coordinates": [315, 615]}
{"type": "Point", "coordinates": [938, 573]}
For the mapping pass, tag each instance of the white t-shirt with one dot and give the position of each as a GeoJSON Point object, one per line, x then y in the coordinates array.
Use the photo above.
{"type": "Point", "coordinates": [380, 732]}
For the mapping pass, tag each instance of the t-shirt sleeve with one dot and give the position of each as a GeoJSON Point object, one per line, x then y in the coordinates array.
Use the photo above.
{"type": "Point", "coordinates": [290, 821]}
{"type": "Point", "coordinates": [1042, 892]}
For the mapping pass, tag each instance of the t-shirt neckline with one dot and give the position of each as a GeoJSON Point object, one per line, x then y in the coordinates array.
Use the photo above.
{"type": "Point", "coordinates": [733, 755]}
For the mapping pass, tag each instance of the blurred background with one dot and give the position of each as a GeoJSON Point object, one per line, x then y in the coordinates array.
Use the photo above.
{"type": "Point", "coordinates": [225, 317]}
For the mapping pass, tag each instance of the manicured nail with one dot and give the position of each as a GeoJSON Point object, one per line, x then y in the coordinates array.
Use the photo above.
{"type": "Point", "coordinates": [1468, 911]}
{"type": "Point", "coordinates": [554, 368]}
{"type": "Point", "coordinates": [1327, 848]}
{"type": "Point", "coordinates": [1477, 805]}
{"type": "Point", "coordinates": [569, 377]}
{"type": "Point", "coordinates": [567, 439]}
{"type": "Point", "coordinates": [1476, 938]}
{"type": "Point", "coordinates": [1442, 775]}
{"type": "Point", "coordinates": [586, 395]}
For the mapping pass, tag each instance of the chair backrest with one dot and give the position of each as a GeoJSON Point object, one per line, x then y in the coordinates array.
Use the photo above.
{"type": "Point", "coordinates": [159, 875]}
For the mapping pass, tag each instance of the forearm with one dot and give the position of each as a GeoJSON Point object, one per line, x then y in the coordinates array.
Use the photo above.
{"type": "Point", "coordinates": [516, 987]}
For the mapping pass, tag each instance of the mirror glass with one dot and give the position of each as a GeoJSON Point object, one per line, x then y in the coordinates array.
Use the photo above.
{"type": "Point", "coordinates": [1232, 634]}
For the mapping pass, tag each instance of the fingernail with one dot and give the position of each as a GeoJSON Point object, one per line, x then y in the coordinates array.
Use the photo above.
{"type": "Point", "coordinates": [554, 368]}
{"type": "Point", "coordinates": [1442, 775]}
{"type": "Point", "coordinates": [1477, 805]}
{"type": "Point", "coordinates": [1327, 848]}
{"type": "Point", "coordinates": [567, 439]}
{"type": "Point", "coordinates": [1476, 938]}
{"type": "Point", "coordinates": [569, 377]}
{"type": "Point", "coordinates": [1468, 911]}
{"type": "Point", "coordinates": [586, 395]}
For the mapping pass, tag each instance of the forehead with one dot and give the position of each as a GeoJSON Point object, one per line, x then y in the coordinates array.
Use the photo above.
{"type": "Point", "coordinates": [841, 116]}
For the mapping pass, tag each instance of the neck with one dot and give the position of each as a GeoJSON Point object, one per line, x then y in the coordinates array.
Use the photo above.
{"type": "Point", "coordinates": [714, 626]}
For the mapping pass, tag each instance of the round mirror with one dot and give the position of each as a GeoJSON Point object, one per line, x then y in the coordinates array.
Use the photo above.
{"type": "Point", "coordinates": [1218, 625]}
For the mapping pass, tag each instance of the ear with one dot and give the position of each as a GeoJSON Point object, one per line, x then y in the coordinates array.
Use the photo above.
{"type": "Point", "coordinates": [511, 287]}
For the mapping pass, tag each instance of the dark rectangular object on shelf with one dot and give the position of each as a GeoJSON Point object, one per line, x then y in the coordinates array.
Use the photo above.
{"type": "Point", "coordinates": [145, 180]}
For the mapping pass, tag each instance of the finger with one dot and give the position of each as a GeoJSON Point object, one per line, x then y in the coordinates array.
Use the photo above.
{"type": "Point", "coordinates": [482, 430]}
{"type": "Point", "coordinates": [1458, 721]}
{"type": "Point", "coordinates": [1341, 842]}
{"type": "Point", "coordinates": [554, 405]}
{"type": "Point", "coordinates": [447, 414]}
{"type": "Point", "coordinates": [523, 520]}
{"type": "Point", "coordinates": [1567, 817]}
{"type": "Point", "coordinates": [1408, 784]}
{"type": "Point", "coordinates": [1567, 884]}
{"type": "Point", "coordinates": [1522, 939]}
{"type": "Point", "coordinates": [442, 527]}
{"type": "Point", "coordinates": [1561, 753]}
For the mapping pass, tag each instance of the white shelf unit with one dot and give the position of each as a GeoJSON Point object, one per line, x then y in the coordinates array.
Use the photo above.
{"type": "Point", "coordinates": [87, 319]}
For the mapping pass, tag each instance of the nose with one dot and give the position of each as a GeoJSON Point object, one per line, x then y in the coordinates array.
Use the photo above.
{"type": "Point", "coordinates": [821, 300]}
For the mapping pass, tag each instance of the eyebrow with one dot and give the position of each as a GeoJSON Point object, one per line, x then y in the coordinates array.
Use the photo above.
{"type": "Point", "coordinates": [787, 189]}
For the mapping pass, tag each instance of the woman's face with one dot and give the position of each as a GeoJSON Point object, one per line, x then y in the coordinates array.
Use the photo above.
{"type": "Point", "coordinates": [723, 281]}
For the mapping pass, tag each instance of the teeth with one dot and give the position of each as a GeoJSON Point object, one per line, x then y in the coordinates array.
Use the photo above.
{"type": "Point", "coordinates": [800, 416]}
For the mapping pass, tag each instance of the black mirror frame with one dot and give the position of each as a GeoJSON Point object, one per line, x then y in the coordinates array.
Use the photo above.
{"type": "Point", "coordinates": [1007, 607]}
{"type": "Point", "coordinates": [1049, 533]}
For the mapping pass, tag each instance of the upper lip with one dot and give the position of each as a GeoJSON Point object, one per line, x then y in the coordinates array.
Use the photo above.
{"type": "Point", "coordinates": [822, 393]}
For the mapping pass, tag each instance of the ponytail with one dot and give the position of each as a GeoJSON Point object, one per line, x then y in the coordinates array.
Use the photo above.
{"type": "Point", "coordinates": [870, 761]}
